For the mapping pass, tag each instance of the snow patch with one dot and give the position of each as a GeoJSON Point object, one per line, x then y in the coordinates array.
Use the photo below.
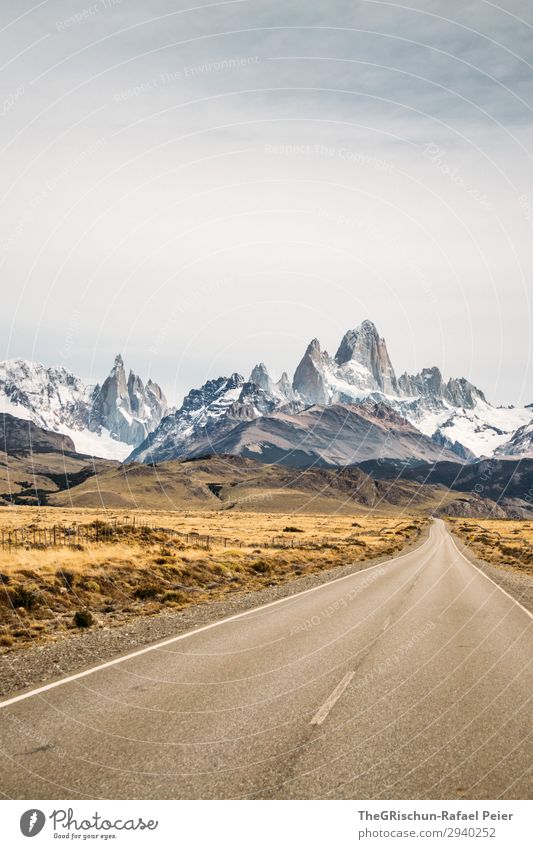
{"type": "Point", "coordinates": [97, 444]}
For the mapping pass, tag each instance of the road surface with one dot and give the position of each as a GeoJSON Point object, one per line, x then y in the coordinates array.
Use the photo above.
{"type": "Point", "coordinates": [411, 679]}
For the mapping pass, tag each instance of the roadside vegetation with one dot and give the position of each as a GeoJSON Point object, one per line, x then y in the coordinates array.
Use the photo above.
{"type": "Point", "coordinates": [140, 567]}
{"type": "Point", "coordinates": [502, 542]}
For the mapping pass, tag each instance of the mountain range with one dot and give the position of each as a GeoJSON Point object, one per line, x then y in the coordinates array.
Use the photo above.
{"type": "Point", "coordinates": [39, 467]}
{"type": "Point", "coordinates": [336, 411]}
{"type": "Point", "coordinates": [104, 420]}
{"type": "Point", "coordinates": [340, 410]}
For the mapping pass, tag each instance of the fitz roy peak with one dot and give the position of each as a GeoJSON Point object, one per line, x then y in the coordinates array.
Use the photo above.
{"type": "Point", "coordinates": [360, 366]}
{"type": "Point", "coordinates": [104, 421]}
{"type": "Point", "coordinates": [363, 346]}
{"type": "Point", "coordinates": [267, 420]}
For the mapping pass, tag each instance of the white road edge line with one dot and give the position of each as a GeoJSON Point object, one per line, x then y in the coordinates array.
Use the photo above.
{"type": "Point", "coordinates": [322, 712]}
{"type": "Point", "coordinates": [187, 634]}
{"type": "Point", "coordinates": [481, 572]}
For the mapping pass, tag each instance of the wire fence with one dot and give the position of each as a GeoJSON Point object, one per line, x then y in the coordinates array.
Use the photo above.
{"type": "Point", "coordinates": [53, 536]}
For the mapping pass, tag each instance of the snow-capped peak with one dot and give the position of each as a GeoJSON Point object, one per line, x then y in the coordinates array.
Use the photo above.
{"type": "Point", "coordinates": [105, 421]}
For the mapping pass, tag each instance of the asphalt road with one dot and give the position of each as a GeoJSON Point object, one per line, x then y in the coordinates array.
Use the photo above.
{"type": "Point", "coordinates": [411, 679]}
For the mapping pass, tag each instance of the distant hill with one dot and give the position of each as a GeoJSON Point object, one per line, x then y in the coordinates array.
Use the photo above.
{"type": "Point", "coordinates": [508, 482]}
{"type": "Point", "coordinates": [237, 483]}
{"type": "Point", "coordinates": [34, 463]}
{"type": "Point", "coordinates": [20, 437]}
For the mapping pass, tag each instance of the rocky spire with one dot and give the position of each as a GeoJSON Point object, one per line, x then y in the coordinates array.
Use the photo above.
{"type": "Point", "coordinates": [127, 408]}
{"type": "Point", "coordinates": [365, 346]}
{"type": "Point", "coordinates": [114, 391]}
{"type": "Point", "coordinates": [136, 395]}
{"type": "Point", "coordinates": [461, 393]}
{"type": "Point", "coordinates": [284, 386]}
{"type": "Point", "coordinates": [429, 383]}
{"type": "Point", "coordinates": [261, 377]}
{"type": "Point", "coordinates": [309, 378]}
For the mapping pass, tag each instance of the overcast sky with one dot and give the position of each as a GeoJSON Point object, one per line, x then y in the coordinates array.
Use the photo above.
{"type": "Point", "coordinates": [201, 188]}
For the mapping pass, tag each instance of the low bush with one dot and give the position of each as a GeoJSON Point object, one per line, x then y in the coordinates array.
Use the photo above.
{"type": "Point", "coordinates": [26, 597]}
{"type": "Point", "coordinates": [90, 586]}
{"type": "Point", "coordinates": [261, 566]}
{"type": "Point", "coordinates": [146, 591]}
{"type": "Point", "coordinates": [66, 578]}
{"type": "Point", "coordinates": [83, 619]}
{"type": "Point", "coordinates": [175, 596]}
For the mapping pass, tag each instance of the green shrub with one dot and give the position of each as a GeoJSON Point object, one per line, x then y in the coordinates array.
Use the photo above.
{"type": "Point", "coordinates": [146, 591]}
{"type": "Point", "coordinates": [26, 597]}
{"type": "Point", "coordinates": [90, 586]}
{"type": "Point", "coordinates": [83, 619]}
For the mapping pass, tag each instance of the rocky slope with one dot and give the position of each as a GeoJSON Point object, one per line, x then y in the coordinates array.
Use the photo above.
{"type": "Point", "coordinates": [333, 435]}
{"type": "Point", "coordinates": [520, 444]}
{"type": "Point", "coordinates": [212, 411]}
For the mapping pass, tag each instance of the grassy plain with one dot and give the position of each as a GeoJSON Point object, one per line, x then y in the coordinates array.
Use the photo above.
{"type": "Point", "coordinates": [142, 568]}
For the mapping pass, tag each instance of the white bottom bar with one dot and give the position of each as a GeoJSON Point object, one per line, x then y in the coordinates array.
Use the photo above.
{"type": "Point", "coordinates": [258, 824]}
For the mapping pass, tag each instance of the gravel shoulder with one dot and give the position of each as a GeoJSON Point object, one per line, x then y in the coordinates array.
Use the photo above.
{"type": "Point", "coordinates": [518, 584]}
{"type": "Point", "coordinates": [25, 668]}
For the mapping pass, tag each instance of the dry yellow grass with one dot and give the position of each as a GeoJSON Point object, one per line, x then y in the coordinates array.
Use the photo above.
{"type": "Point", "coordinates": [248, 528]}
{"type": "Point", "coordinates": [504, 542]}
{"type": "Point", "coordinates": [144, 570]}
